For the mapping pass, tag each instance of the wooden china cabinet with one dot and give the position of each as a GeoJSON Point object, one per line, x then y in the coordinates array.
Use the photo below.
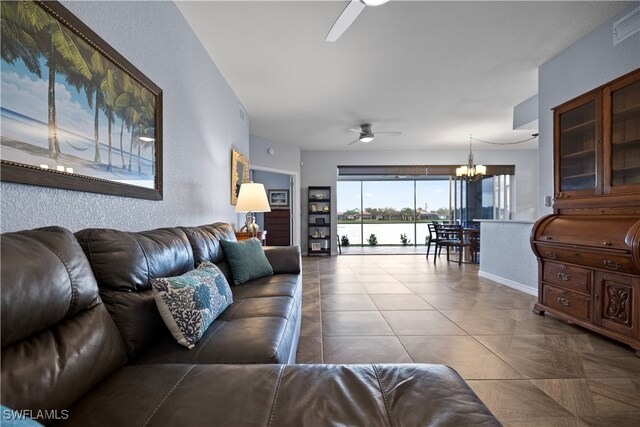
{"type": "Point", "coordinates": [589, 250]}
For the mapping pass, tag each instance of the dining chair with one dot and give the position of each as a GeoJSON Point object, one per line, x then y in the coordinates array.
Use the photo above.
{"type": "Point", "coordinates": [474, 246]}
{"type": "Point", "coordinates": [433, 238]}
{"type": "Point", "coordinates": [451, 236]}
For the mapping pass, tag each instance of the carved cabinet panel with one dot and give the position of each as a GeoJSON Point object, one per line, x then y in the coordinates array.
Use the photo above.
{"type": "Point", "coordinates": [615, 302]}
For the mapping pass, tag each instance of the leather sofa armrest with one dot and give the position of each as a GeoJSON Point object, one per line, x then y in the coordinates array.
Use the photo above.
{"type": "Point", "coordinates": [284, 259]}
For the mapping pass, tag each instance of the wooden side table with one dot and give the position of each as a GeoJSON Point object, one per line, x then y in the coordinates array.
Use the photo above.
{"type": "Point", "coordinates": [243, 235]}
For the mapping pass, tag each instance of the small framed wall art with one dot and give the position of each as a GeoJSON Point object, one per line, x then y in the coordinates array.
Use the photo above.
{"type": "Point", "coordinates": [279, 199]}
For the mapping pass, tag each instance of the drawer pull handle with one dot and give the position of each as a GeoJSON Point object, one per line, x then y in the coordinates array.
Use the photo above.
{"type": "Point", "coordinates": [564, 301]}
{"type": "Point", "coordinates": [607, 243]}
{"type": "Point", "coordinates": [612, 265]}
{"type": "Point", "coordinates": [564, 277]}
{"type": "Point", "coordinates": [551, 255]}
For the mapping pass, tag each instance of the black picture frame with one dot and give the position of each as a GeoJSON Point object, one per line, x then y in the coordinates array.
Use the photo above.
{"type": "Point", "coordinates": [122, 95]}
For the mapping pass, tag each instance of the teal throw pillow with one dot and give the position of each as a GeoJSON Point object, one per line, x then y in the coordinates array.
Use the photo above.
{"type": "Point", "coordinates": [247, 260]}
{"type": "Point", "coordinates": [189, 303]}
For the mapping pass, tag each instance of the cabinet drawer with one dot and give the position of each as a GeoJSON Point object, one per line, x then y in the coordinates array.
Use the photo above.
{"type": "Point", "coordinates": [567, 276]}
{"type": "Point", "coordinates": [603, 260]}
{"type": "Point", "coordinates": [566, 301]}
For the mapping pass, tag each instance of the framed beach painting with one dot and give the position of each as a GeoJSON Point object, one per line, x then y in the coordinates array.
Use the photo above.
{"type": "Point", "coordinates": [75, 113]}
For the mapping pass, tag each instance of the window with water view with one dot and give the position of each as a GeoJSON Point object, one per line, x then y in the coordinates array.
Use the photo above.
{"type": "Point", "coordinates": [396, 212]}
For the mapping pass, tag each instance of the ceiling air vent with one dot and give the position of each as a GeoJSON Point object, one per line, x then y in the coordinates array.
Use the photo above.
{"type": "Point", "coordinates": [243, 115]}
{"type": "Point", "coordinates": [627, 26]}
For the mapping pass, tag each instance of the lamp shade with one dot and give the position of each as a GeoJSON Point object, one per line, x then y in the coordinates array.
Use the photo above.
{"type": "Point", "coordinates": [252, 198]}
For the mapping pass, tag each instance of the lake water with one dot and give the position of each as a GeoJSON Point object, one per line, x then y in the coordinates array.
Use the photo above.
{"type": "Point", "coordinates": [387, 234]}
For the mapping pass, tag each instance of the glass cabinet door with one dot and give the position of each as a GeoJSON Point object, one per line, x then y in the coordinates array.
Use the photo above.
{"type": "Point", "coordinates": [624, 167]}
{"type": "Point", "coordinates": [577, 157]}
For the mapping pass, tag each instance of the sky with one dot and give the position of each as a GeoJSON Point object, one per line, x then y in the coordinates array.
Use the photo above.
{"type": "Point", "coordinates": [396, 194]}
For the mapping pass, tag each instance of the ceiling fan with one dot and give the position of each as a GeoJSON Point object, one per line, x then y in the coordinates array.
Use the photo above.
{"type": "Point", "coordinates": [367, 135]}
{"type": "Point", "coordinates": [348, 15]}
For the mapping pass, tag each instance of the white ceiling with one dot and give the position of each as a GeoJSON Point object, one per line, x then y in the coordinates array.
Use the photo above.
{"type": "Point", "coordinates": [437, 71]}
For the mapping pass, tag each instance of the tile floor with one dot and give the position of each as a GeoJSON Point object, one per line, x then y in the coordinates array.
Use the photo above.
{"type": "Point", "coordinates": [529, 370]}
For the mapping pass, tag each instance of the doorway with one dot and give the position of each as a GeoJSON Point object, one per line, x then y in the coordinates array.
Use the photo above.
{"type": "Point", "coordinates": [279, 223]}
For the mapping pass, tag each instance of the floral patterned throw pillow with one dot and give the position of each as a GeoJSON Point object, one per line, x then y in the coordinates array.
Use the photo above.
{"type": "Point", "coordinates": [189, 303]}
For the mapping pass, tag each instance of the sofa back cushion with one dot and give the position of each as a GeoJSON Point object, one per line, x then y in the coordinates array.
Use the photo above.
{"type": "Point", "coordinates": [58, 341]}
{"type": "Point", "coordinates": [205, 242]}
{"type": "Point", "coordinates": [124, 264]}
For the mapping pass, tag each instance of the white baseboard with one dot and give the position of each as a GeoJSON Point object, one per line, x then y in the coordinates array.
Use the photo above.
{"type": "Point", "coordinates": [510, 283]}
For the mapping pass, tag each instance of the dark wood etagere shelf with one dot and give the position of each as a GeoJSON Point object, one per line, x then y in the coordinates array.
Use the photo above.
{"type": "Point", "coordinates": [319, 221]}
{"type": "Point", "coordinates": [589, 250]}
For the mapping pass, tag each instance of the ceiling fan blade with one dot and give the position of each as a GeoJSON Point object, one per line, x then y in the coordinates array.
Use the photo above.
{"type": "Point", "coordinates": [354, 141]}
{"type": "Point", "coordinates": [344, 21]}
{"type": "Point", "coordinates": [388, 133]}
{"type": "Point", "coordinates": [356, 130]}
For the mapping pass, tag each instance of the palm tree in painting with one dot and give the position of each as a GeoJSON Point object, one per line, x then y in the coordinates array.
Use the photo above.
{"type": "Point", "coordinates": [109, 92]}
{"type": "Point", "coordinates": [26, 22]}
{"type": "Point", "coordinates": [18, 42]}
{"type": "Point", "coordinates": [125, 109]}
{"type": "Point", "coordinates": [98, 66]}
{"type": "Point", "coordinates": [144, 107]}
{"type": "Point", "coordinates": [134, 116]}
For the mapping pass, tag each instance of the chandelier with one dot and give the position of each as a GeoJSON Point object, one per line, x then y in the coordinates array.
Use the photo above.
{"type": "Point", "coordinates": [471, 172]}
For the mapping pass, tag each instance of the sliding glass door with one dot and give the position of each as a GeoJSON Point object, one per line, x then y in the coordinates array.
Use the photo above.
{"type": "Point", "coordinates": [396, 210]}
{"type": "Point", "coordinates": [391, 211]}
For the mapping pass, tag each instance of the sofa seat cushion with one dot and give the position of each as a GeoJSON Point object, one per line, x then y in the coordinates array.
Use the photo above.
{"type": "Point", "coordinates": [261, 326]}
{"type": "Point", "coordinates": [282, 395]}
{"type": "Point", "coordinates": [279, 285]}
{"type": "Point", "coordinates": [248, 340]}
{"type": "Point", "coordinates": [260, 307]}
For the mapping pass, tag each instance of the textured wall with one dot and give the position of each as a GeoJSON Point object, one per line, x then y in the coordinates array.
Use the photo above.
{"type": "Point", "coordinates": [285, 157]}
{"type": "Point", "coordinates": [506, 255]}
{"type": "Point", "coordinates": [590, 62]}
{"type": "Point", "coordinates": [286, 160]}
{"type": "Point", "coordinates": [201, 125]}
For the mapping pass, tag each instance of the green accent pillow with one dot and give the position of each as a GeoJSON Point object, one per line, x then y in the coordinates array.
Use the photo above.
{"type": "Point", "coordinates": [189, 303]}
{"type": "Point", "coordinates": [247, 260]}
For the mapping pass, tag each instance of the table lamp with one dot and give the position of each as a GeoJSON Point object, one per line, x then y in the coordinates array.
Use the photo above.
{"type": "Point", "coordinates": [252, 198]}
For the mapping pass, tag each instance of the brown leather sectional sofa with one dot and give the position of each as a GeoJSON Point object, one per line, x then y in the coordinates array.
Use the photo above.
{"type": "Point", "coordinates": [83, 344]}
